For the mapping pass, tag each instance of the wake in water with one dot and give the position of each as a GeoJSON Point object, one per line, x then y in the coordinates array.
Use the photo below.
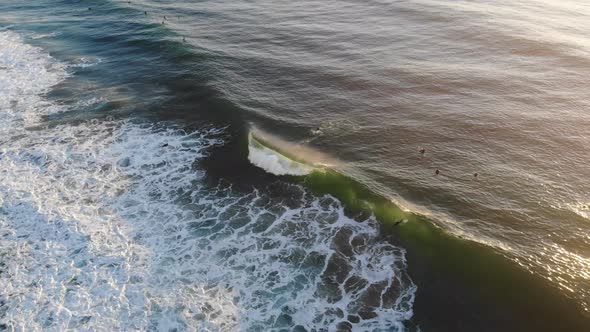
{"type": "Point", "coordinates": [109, 225]}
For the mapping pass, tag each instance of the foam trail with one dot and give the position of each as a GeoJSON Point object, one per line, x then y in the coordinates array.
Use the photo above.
{"type": "Point", "coordinates": [274, 162]}
{"type": "Point", "coordinates": [109, 226]}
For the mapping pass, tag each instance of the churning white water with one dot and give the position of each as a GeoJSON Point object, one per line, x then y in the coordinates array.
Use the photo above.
{"type": "Point", "coordinates": [274, 162]}
{"type": "Point", "coordinates": [108, 225]}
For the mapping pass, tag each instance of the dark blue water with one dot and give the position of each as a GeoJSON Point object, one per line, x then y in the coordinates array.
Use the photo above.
{"type": "Point", "coordinates": [132, 198]}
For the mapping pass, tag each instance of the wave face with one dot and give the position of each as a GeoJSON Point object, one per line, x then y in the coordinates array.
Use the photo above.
{"type": "Point", "coordinates": [494, 88]}
{"type": "Point", "coordinates": [159, 220]}
{"type": "Point", "coordinates": [274, 162]}
{"type": "Point", "coordinates": [109, 225]}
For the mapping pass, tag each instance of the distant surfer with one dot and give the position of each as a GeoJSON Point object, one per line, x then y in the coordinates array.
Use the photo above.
{"type": "Point", "coordinates": [422, 151]}
{"type": "Point", "coordinates": [476, 176]}
{"type": "Point", "coordinates": [145, 13]}
{"type": "Point", "coordinates": [316, 131]}
{"type": "Point", "coordinates": [437, 172]}
{"type": "Point", "coordinates": [183, 40]}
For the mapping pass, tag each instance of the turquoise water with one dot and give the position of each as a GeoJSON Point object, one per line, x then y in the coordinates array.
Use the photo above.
{"type": "Point", "coordinates": [131, 197]}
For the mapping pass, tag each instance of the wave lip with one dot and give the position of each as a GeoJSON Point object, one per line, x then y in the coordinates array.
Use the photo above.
{"type": "Point", "coordinates": [274, 162]}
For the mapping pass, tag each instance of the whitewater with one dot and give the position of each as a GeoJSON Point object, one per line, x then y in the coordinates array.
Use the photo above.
{"type": "Point", "coordinates": [109, 225]}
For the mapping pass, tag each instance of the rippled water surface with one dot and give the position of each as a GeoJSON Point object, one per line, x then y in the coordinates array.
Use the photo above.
{"type": "Point", "coordinates": [141, 187]}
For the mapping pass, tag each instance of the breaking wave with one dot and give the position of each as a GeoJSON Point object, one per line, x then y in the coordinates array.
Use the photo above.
{"type": "Point", "coordinates": [111, 226]}
{"type": "Point", "coordinates": [274, 162]}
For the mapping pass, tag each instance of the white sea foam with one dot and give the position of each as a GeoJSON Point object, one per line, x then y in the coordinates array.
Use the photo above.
{"type": "Point", "coordinates": [44, 35]}
{"type": "Point", "coordinates": [84, 62]}
{"type": "Point", "coordinates": [274, 162]}
{"type": "Point", "coordinates": [110, 226]}
{"type": "Point", "coordinates": [25, 73]}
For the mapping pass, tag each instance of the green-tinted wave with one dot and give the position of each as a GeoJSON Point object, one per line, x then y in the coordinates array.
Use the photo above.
{"type": "Point", "coordinates": [471, 271]}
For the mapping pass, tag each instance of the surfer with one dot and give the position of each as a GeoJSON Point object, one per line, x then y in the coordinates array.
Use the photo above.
{"type": "Point", "coordinates": [316, 131]}
{"type": "Point", "coordinates": [422, 151]}
{"type": "Point", "coordinates": [145, 13]}
{"type": "Point", "coordinates": [183, 40]}
{"type": "Point", "coordinates": [476, 175]}
{"type": "Point", "coordinates": [437, 172]}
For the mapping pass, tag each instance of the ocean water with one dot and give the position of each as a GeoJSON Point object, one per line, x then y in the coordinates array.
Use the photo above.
{"type": "Point", "coordinates": [255, 166]}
